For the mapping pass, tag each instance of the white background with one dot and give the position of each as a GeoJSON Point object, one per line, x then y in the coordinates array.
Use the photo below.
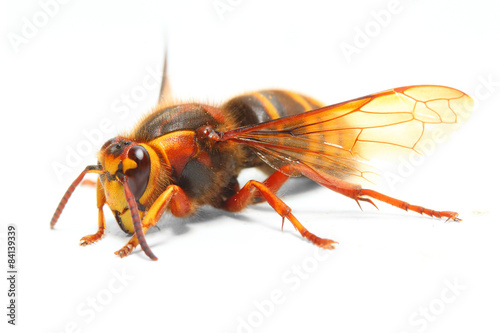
{"type": "Point", "coordinates": [219, 272]}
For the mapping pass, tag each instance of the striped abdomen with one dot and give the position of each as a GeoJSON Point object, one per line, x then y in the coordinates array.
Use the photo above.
{"type": "Point", "coordinates": [264, 105]}
{"type": "Point", "coordinates": [261, 106]}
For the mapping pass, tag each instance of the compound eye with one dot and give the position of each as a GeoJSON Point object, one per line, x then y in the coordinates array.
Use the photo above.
{"type": "Point", "coordinates": [138, 177]}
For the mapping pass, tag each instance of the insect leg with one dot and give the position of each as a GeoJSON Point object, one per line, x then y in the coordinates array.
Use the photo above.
{"type": "Point", "coordinates": [273, 183]}
{"type": "Point", "coordinates": [173, 197]}
{"type": "Point", "coordinates": [244, 196]}
{"type": "Point", "coordinates": [101, 200]}
{"type": "Point", "coordinates": [357, 193]}
{"type": "Point", "coordinates": [363, 193]}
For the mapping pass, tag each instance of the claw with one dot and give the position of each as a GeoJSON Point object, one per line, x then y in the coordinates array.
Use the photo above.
{"type": "Point", "coordinates": [90, 239]}
{"type": "Point", "coordinates": [125, 251]}
{"type": "Point", "coordinates": [450, 216]}
{"type": "Point", "coordinates": [324, 243]}
{"type": "Point", "coordinates": [327, 244]}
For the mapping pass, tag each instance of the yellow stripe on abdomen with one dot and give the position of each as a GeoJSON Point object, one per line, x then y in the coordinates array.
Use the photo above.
{"type": "Point", "coordinates": [267, 105]}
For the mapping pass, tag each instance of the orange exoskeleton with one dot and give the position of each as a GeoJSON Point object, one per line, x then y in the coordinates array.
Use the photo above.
{"type": "Point", "coordinates": [180, 157]}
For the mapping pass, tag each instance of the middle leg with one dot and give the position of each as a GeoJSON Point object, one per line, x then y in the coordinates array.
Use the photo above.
{"type": "Point", "coordinates": [267, 190]}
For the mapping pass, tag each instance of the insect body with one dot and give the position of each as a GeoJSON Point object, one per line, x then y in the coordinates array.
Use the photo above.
{"type": "Point", "coordinates": [181, 157]}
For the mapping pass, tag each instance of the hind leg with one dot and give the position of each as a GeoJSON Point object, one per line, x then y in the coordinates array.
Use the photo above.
{"type": "Point", "coordinates": [358, 193]}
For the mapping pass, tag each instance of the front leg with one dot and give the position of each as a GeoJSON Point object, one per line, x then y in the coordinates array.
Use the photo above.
{"type": "Point", "coordinates": [101, 200]}
{"type": "Point", "coordinates": [173, 197]}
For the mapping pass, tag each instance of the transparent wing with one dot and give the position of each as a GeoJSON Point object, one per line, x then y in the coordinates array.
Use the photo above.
{"type": "Point", "coordinates": [340, 139]}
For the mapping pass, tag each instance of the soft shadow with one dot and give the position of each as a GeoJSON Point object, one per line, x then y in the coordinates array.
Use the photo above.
{"type": "Point", "coordinates": [297, 186]}
{"type": "Point", "coordinates": [205, 214]}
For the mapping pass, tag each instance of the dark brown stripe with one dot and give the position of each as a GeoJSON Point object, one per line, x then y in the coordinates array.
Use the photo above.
{"type": "Point", "coordinates": [284, 103]}
{"type": "Point", "coordinates": [175, 118]}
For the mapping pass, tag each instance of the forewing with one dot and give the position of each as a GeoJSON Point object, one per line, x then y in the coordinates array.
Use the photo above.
{"type": "Point", "coordinates": [340, 139]}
